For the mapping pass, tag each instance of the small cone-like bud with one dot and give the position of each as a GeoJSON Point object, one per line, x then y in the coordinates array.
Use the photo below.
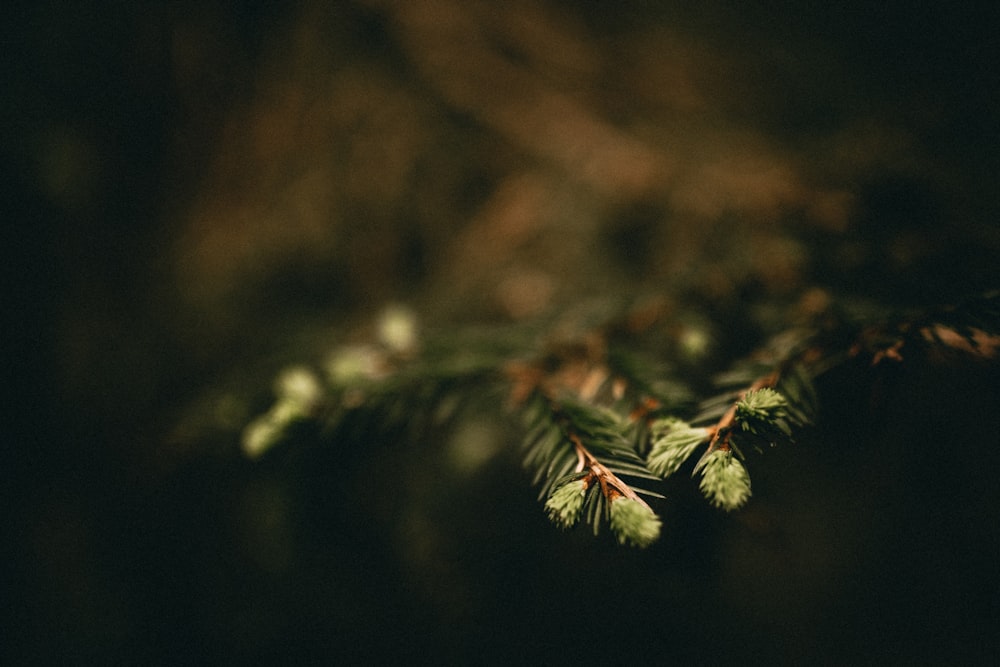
{"type": "Point", "coordinates": [633, 522]}
{"type": "Point", "coordinates": [566, 502]}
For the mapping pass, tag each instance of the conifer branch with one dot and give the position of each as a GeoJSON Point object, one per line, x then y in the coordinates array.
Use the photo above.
{"type": "Point", "coordinates": [599, 415]}
{"type": "Point", "coordinates": [758, 413]}
{"type": "Point", "coordinates": [968, 330]}
{"type": "Point", "coordinates": [579, 453]}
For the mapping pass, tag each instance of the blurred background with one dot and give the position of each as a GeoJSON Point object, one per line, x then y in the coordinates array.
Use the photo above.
{"type": "Point", "coordinates": [200, 193]}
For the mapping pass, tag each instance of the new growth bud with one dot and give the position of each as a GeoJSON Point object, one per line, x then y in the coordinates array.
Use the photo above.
{"type": "Point", "coordinates": [673, 443]}
{"type": "Point", "coordinates": [761, 405]}
{"type": "Point", "coordinates": [725, 482]}
{"type": "Point", "coordinates": [566, 502]}
{"type": "Point", "coordinates": [633, 522]}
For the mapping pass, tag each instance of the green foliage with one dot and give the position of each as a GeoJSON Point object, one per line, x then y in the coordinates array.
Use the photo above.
{"type": "Point", "coordinates": [764, 411]}
{"type": "Point", "coordinates": [673, 443]}
{"type": "Point", "coordinates": [598, 419]}
{"type": "Point", "coordinates": [602, 432]}
{"type": "Point", "coordinates": [633, 522]}
{"type": "Point", "coordinates": [647, 377]}
{"type": "Point", "coordinates": [565, 503]}
{"type": "Point", "coordinates": [579, 455]}
{"type": "Point", "coordinates": [760, 405]}
{"type": "Point", "coordinates": [724, 480]}
{"type": "Point", "coordinates": [298, 392]}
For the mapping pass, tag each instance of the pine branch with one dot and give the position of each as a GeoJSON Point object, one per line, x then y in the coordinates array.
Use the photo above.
{"type": "Point", "coordinates": [968, 330]}
{"type": "Point", "coordinates": [601, 413]}
{"type": "Point", "coordinates": [579, 454]}
{"type": "Point", "coordinates": [766, 410]}
{"type": "Point", "coordinates": [388, 389]}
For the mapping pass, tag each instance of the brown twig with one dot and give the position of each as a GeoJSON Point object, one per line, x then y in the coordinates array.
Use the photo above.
{"type": "Point", "coordinates": [611, 485]}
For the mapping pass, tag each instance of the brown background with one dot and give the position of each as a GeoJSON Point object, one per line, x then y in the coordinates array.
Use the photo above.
{"type": "Point", "coordinates": [201, 192]}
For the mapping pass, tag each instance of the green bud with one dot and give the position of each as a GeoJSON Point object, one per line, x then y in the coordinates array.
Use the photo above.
{"type": "Point", "coordinates": [351, 364]}
{"type": "Point", "coordinates": [299, 385]}
{"type": "Point", "coordinates": [725, 482]}
{"type": "Point", "coordinates": [566, 502]}
{"type": "Point", "coordinates": [761, 405]}
{"type": "Point", "coordinates": [298, 392]}
{"type": "Point", "coordinates": [286, 411]}
{"type": "Point", "coordinates": [633, 522]}
{"type": "Point", "coordinates": [260, 435]}
{"type": "Point", "coordinates": [673, 443]}
{"type": "Point", "coordinates": [695, 342]}
{"type": "Point", "coordinates": [397, 329]}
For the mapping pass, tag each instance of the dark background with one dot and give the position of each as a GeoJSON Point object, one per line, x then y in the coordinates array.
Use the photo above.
{"type": "Point", "coordinates": [199, 193]}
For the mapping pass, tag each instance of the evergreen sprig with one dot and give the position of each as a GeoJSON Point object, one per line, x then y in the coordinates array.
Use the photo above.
{"type": "Point", "coordinates": [565, 503]}
{"type": "Point", "coordinates": [396, 387]}
{"type": "Point", "coordinates": [673, 442]}
{"type": "Point", "coordinates": [580, 455]}
{"type": "Point", "coordinates": [599, 417]}
{"type": "Point", "coordinates": [757, 414]}
{"type": "Point", "coordinates": [634, 522]}
{"type": "Point", "coordinates": [724, 480]}
{"type": "Point", "coordinates": [764, 413]}
{"type": "Point", "coordinates": [299, 393]}
{"type": "Point", "coordinates": [969, 329]}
